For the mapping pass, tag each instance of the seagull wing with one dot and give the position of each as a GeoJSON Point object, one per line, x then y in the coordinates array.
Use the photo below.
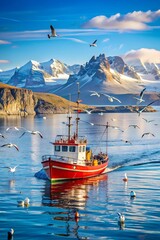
{"type": "Point", "coordinates": [116, 99]}
{"type": "Point", "coordinates": [40, 134]}
{"type": "Point", "coordinates": [142, 92]}
{"type": "Point", "coordinates": [144, 135]}
{"type": "Point", "coordinates": [94, 41]}
{"type": "Point", "coordinates": [22, 134]}
{"type": "Point", "coordinates": [14, 145]}
{"type": "Point", "coordinates": [147, 106]}
{"type": "Point", "coordinates": [53, 30]}
{"type": "Point", "coordinates": [5, 145]}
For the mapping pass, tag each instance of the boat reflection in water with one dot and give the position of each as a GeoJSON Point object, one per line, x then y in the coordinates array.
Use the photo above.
{"type": "Point", "coordinates": [65, 199]}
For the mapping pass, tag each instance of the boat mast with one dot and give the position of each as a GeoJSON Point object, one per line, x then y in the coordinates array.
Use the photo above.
{"type": "Point", "coordinates": [69, 119]}
{"type": "Point", "coordinates": [77, 118]}
{"type": "Point", "coordinates": [107, 126]}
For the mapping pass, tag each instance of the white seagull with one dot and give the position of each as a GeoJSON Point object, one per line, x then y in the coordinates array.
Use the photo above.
{"type": "Point", "coordinates": [32, 132]}
{"type": "Point", "coordinates": [140, 99]}
{"type": "Point", "coordinates": [111, 98]}
{"type": "Point", "coordinates": [94, 93]}
{"type": "Point", "coordinates": [89, 111]}
{"type": "Point", "coordinates": [148, 121]}
{"type": "Point", "coordinates": [117, 128]}
{"type": "Point", "coordinates": [53, 32]}
{"type": "Point", "coordinates": [9, 145]}
{"type": "Point", "coordinates": [147, 133]}
{"type": "Point", "coordinates": [132, 194]}
{"type": "Point", "coordinates": [121, 218]}
{"type": "Point", "coordinates": [10, 234]}
{"type": "Point", "coordinates": [26, 201]}
{"type": "Point", "coordinates": [93, 44]}
{"type": "Point", "coordinates": [12, 169]}
{"type": "Point", "coordinates": [134, 126]}
{"type": "Point", "coordinates": [140, 111]}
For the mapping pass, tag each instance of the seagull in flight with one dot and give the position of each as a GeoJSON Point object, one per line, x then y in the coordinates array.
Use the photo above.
{"type": "Point", "coordinates": [89, 111]}
{"type": "Point", "coordinates": [32, 132]}
{"type": "Point", "coordinates": [12, 169]}
{"type": "Point", "coordinates": [140, 99]}
{"type": "Point", "coordinates": [53, 32]}
{"type": "Point", "coordinates": [134, 126]}
{"type": "Point", "coordinates": [140, 111]}
{"type": "Point", "coordinates": [147, 133]}
{"type": "Point", "coordinates": [148, 121]}
{"type": "Point", "coordinates": [15, 128]}
{"type": "Point", "coordinates": [9, 145]}
{"type": "Point", "coordinates": [111, 98]}
{"type": "Point", "coordinates": [117, 128]}
{"type": "Point", "coordinates": [94, 93]}
{"type": "Point", "coordinates": [93, 44]}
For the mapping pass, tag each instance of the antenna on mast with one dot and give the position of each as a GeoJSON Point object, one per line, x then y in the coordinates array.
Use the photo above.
{"type": "Point", "coordinates": [77, 118]}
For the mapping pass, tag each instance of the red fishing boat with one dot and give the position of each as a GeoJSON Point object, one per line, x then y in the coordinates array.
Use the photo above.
{"type": "Point", "coordinates": [72, 158]}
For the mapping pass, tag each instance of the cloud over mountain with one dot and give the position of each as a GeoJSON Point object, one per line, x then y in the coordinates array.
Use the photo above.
{"type": "Point", "coordinates": [144, 54]}
{"type": "Point", "coordinates": [136, 20]}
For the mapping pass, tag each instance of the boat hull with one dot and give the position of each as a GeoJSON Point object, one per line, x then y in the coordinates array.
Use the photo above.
{"type": "Point", "coordinates": [61, 171]}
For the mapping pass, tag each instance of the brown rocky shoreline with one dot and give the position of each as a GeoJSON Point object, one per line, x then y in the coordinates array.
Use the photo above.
{"type": "Point", "coordinates": [24, 102]}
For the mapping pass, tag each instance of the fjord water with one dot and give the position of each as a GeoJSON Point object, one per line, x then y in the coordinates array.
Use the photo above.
{"type": "Point", "coordinates": [50, 214]}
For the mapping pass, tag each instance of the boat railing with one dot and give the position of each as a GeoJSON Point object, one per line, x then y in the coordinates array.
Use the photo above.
{"type": "Point", "coordinates": [64, 139]}
{"type": "Point", "coordinates": [74, 160]}
{"type": "Point", "coordinates": [63, 159]}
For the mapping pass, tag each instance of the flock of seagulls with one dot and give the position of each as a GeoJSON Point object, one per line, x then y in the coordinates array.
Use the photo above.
{"type": "Point", "coordinates": [109, 97]}
{"type": "Point", "coordinates": [54, 34]}
{"type": "Point", "coordinates": [12, 145]}
{"type": "Point", "coordinates": [32, 132]}
{"type": "Point", "coordinates": [112, 99]}
{"type": "Point", "coordinates": [121, 217]}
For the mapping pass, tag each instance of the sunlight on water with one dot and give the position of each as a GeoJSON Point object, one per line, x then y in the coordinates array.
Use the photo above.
{"type": "Point", "coordinates": [51, 212]}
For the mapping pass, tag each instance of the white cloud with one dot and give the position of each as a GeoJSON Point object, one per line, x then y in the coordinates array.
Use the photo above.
{"type": "Point", "coordinates": [4, 42]}
{"type": "Point", "coordinates": [4, 61]}
{"type": "Point", "coordinates": [106, 40]}
{"type": "Point", "coordinates": [131, 21]}
{"type": "Point", "coordinates": [144, 54]}
{"type": "Point", "coordinates": [75, 40]}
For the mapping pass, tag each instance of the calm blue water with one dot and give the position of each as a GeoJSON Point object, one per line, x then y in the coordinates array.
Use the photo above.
{"type": "Point", "coordinates": [50, 214]}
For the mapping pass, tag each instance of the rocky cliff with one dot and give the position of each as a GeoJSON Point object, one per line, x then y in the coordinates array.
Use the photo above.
{"type": "Point", "coordinates": [23, 102]}
{"type": "Point", "coordinates": [16, 101]}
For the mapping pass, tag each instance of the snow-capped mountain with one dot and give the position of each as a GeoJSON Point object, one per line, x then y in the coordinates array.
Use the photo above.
{"type": "Point", "coordinates": [35, 74]}
{"type": "Point", "coordinates": [121, 77]}
{"type": "Point", "coordinates": [144, 61]}
{"type": "Point", "coordinates": [28, 75]}
{"type": "Point", "coordinates": [6, 75]}
{"type": "Point", "coordinates": [107, 75]}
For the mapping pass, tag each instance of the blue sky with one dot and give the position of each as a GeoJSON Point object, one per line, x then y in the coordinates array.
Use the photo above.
{"type": "Point", "coordinates": [118, 25]}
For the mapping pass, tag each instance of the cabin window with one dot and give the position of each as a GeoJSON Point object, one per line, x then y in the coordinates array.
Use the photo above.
{"type": "Point", "coordinates": [72, 148]}
{"type": "Point", "coordinates": [64, 148]}
{"type": "Point", "coordinates": [57, 148]}
{"type": "Point", "coordinates": [80, 149]}
{"type": "Point", "coordinates": [84, 148]}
